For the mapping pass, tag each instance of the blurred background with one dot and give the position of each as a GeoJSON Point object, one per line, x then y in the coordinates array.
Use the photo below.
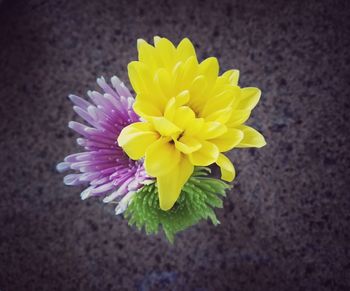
{"type": "Point", "coordinates": [284, 225]}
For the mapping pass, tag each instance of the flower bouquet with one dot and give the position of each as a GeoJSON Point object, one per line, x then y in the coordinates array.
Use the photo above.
{"type": "Point", "coordinates": [150, 153]}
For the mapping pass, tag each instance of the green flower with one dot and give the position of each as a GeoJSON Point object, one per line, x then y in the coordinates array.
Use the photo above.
{"type": "Point", "coordinates": [196, 202]}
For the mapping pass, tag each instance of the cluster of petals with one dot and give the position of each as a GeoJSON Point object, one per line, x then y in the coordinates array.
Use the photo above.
{"type": "Point", "coordinates": [103, 165]}
{"type": "Point", "coordinates": [190, 115]}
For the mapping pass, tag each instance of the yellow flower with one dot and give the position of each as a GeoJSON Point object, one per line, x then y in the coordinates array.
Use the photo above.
{"type": "Point", "coordinates": [190, 115]}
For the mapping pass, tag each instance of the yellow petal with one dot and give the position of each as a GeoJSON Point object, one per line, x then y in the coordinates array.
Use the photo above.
{"type": "Point", "coordinates": [220, 102]}
{"type": "Point", "coordinates": [227, 74]}
{"type": "Point", "coordinates": [147, 54]}
{"type": "Point", "coordinates": [190, 68]}
{"type": "Point", "coordinates": [140, 77]}
{"type": "Point", "coordinates": [206, 155]}
{"type": "Point", "coordinates": [164, 126]}
{"type": "Point", "coordinates": [156, 39]}
{"type": "Point", "coordinates": [194, 127]}
{"type": "Point", "coordinates": [140, 42]}
{"type": "Point", "coordinates": [221, 84]}
{"type": "Point", "coordinates": [182, 98]}
{"type": "Point", "coordinates": [198, 85]}
{"type": "Point", "coordinates": [174, 103]}
{"type": "Point", "coordinates": [249, 98]}
{"type": "Point", "coordinates": [210, 69]}
{"type": "Point", "coordinates": [185, 50]}
{"type": "Point", "coordinates": [170, 109]}
{"type": "Point", "coordinates": [163, 43]}
{"type": "Point", "coordinates": [134, 77]}
{"type": "Point", "coordinates": [212, 129]}
{"type": "Point", "coordinates": [187, 144]}
{"type": "Point", "coordinates": [163, 80]}
{"type": "Point", "coordinates": [170, 185]}
{"type": "Point", "coordinates": [166, 51]}
{"type": "Point", "coordinates": [161, 157]}
{"type": "Point", "coordinates": [238, 117]}
{"type": "Point", "coordinates": [136, 138]}
{"type": "Point", "coordinates": [232, 77]}
{"type": "Point", "coordinates": [220, 116]}
{"type": "Point", "coordinates": [197, 89]}
{"type": "Point", "coordinates": [184, 117]}
{"type": "Point", "coordinates": [227, 170]}
{"type": "Point", "coordinates": [155, 98]}
{"type": "Point", "coordinates": [251, 138]}
{"type": "Point", "coordinates": [228, 140]}
{"type": "Point", "coordinates": [177, 74]}
{"type": "Point", "coordinates": [146, 109]}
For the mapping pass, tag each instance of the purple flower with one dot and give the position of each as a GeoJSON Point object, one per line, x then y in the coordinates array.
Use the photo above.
{"type": "Point", "coordinates": [104, 165]}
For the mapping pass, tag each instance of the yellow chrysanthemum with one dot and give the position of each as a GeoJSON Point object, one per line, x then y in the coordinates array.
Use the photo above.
{"type": "Point", "coordinates": [190, 114]}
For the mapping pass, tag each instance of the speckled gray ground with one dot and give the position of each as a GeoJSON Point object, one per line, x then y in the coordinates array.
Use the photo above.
{"type": "Point", "coordinates": [285, 226]}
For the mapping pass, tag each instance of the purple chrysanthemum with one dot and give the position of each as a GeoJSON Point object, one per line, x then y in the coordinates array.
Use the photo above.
{"type": "Point", "coordinates": [104, 165]}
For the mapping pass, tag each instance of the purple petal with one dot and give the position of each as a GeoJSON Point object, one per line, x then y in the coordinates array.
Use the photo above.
{"type": "Point", "coordinates": [78, 101]}
{"type": "Point", "coordinates": [104, 165]}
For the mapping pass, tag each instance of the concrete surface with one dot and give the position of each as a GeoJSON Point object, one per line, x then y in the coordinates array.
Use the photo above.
{"type": "Point", "coordinates": [285, 225]}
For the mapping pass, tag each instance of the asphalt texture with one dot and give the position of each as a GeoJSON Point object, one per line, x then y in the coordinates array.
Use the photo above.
{"type": "Point", "coordinates": [284, 225]}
